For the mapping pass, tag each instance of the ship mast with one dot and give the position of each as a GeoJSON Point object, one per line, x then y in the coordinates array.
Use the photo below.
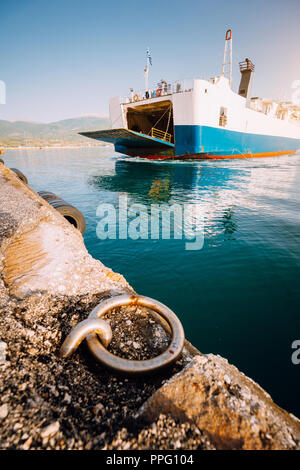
{"type": "Point", "coordinates": [146, 70]}
{"type": "Point", "coordinates": [227, 60]}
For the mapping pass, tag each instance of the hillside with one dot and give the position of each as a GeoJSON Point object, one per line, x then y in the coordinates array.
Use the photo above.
{"type": "Point", "coordinates": [65, 132]}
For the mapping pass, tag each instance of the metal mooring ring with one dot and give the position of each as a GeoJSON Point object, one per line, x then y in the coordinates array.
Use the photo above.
{"type": "Point", "coordinates": [130, 366]}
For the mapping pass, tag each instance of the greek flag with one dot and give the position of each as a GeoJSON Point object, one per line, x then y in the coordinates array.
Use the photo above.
{"type": "Point", "coordinates": [149, 57]}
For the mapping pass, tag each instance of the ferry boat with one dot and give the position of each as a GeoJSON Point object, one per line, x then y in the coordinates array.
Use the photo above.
{"type": "Point", "coordinates": [202, 119]}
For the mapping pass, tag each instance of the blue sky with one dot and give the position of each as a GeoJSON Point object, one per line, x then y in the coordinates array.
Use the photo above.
{"type": "Point", "coordinates": [66, 58]}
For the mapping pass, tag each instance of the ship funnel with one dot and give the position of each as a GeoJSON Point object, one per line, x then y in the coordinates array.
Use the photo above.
{"type": "Point", "coordinates": [246, 69]}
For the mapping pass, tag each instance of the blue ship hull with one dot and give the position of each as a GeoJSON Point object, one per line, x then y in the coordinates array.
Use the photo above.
{"type": "Point", "coordinates": [215, 141]}
{"type": "Point", "coordinates": [197, 142]}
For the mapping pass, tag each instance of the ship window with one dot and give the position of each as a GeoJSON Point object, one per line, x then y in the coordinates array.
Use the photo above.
{"type": "Point", "coordinates": [223, 117]}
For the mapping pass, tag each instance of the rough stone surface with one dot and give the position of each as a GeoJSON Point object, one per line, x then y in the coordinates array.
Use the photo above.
{"type": "Point", "coordinates": [164, 433]}
{"type": "Point", "coordinates": [234, 410]}
{"type": "Point", "coordinates": [38, 388]}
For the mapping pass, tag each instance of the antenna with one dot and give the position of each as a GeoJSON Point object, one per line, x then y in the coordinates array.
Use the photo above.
{"type": "Point", "coordinates": [227, 61]}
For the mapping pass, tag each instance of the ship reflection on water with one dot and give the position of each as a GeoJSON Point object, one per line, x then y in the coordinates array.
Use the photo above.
{"type": "Point", "coordinates": [160, 183]}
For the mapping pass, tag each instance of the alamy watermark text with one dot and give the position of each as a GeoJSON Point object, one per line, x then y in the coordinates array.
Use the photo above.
{"type": "Point", "coordinates": [138, 221]}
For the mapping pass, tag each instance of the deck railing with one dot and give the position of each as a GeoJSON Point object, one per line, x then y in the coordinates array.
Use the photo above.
{"type": "Point", "coordinates": [158, 134]}
{"type": "Point", "coordinates": [163, 89]}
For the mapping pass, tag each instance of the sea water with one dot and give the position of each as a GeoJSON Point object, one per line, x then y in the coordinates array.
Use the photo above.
{"type": "Point", "coordinates": [239, 295]}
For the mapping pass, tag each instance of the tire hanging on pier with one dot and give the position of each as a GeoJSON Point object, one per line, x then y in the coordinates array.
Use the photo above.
{"type": "Point", "coordinates": [69, 212]}
{"type": "Point", "coordinates": [20, 175]}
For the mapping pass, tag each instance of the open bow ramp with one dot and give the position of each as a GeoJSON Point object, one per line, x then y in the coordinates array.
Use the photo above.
{"type": "Point", "coordinates": [132, 142]}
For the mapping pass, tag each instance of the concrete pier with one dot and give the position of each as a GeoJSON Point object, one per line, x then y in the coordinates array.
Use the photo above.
{"type": "Point", "coordinates": [48, 284]}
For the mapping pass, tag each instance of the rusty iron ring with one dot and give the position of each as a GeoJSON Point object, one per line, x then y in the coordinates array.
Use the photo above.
{"type": "Point", "coordinates": [131, 366]}
{"type": "Point", "coordinates": [95, 325]}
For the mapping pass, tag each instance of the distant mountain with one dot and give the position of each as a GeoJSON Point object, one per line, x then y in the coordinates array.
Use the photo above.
{"type": "Point", "coordinates": [65, 132]}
